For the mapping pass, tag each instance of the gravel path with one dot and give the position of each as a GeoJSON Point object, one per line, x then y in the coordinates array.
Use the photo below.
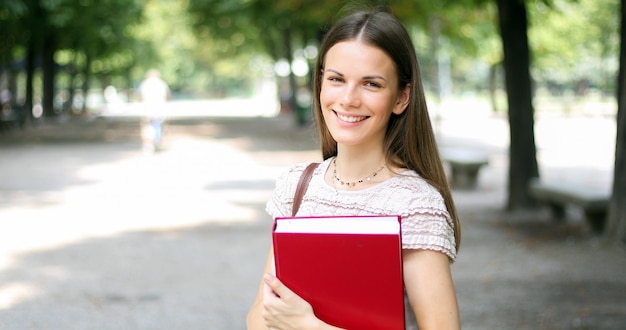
{"type": "Point", "coordinates": [95, 234]}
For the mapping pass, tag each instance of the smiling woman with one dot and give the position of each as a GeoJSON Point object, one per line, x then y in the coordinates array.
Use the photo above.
{"type": "Point", "coordinates": [380, 158]}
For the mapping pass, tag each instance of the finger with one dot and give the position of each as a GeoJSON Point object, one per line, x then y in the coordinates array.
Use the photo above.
{"type": "Point", "coordinates": [268, 292]}
{"type": "Point", "coordinates": [269, 300]}
{"type": "Point", "coordinates": [277, 287]}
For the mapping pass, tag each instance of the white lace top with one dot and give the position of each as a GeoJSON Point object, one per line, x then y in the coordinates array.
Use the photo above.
{"type": "Point", "coordinates": [426, 223]}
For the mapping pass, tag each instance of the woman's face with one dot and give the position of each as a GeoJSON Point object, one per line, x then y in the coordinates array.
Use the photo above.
{"type": "Point", "coordinates": [359, 93]}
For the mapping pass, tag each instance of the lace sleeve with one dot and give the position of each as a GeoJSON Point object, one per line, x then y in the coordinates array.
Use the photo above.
{"type": "Point", "coordinates": [427, 225]}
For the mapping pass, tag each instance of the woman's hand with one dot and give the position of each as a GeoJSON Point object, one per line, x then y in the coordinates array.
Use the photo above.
{"type": "Point", "coordinates": [285, 310]}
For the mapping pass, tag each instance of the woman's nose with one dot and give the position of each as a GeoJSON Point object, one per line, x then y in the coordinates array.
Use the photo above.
{"type": "Point", "coordinates": [351, 97]}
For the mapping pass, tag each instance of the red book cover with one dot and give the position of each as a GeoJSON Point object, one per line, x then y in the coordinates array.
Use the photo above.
{"type": "Point", "coordinates": [348, 268]}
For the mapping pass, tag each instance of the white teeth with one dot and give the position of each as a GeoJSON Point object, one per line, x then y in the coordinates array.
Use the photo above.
{"type": "Point", "coordinates": [350, 119]}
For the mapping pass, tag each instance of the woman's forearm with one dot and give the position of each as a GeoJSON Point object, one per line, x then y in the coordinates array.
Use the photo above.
{"type": "Point", "coordinates": [254, 319]}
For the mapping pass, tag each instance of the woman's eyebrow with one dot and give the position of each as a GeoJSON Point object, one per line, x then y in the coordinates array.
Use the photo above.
{"type": "Point", "coordinates": [334, 71]}
{"type": "Point", "coordinates": [375, 77]}
{"type": "Point", "coordinates": [364, 77]}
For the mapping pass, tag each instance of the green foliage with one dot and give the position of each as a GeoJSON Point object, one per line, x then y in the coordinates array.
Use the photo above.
{"type": "Point", "coordinates": [575, 42]}
{"type": "Point", "coordinates": [164, 41]}
{"type": "Point", "coordinates": [11, 15]}
{"type": "Point", "coordinates": [212, 46]}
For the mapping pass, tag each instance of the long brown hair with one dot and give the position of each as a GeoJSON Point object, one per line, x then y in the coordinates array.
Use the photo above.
{"type": "Point", "coordinates": [409, 140]}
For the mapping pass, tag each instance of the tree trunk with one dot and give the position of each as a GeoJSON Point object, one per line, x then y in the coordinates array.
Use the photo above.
{"type": "Point", "coordinates": [71, 92]}
{"type": "Point", "coordinates": [49, 73]}
{"type": "Point", "coordinates": [13, 88]}
{"type": "Point", "coordinates": [522, 151]}
{"type": "Point", "coordinates": [27, 109]}
{"type": "Point", "coordinates": [615, 229]}
{"type": "Point", "coordinates": [87, 78]}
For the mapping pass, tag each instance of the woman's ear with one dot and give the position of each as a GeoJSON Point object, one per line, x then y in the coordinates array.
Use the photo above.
{"type": "Point", "coordinates": [403, 100]}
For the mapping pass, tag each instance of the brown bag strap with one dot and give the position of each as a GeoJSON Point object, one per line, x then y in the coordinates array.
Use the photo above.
{"type": "Point", "coordinates": [303, 185]}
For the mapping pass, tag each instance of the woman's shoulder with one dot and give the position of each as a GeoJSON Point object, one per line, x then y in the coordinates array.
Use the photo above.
{"type": "Point", "coordinates": [412, 190]}
{"type": "Point", "coordinates": [288, 179]}
{"type": "Point", "coordinates": [295, 171]}
{"type": "Point", "coordinates": [284, 190]}
{"type": "Point", "coordinates": [412, 182]}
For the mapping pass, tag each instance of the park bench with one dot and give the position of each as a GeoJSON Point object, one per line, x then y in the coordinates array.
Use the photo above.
{"type": "Point", "coordinates": [464, 165]}
{"type": "Point", "coordinates": [557, 195]}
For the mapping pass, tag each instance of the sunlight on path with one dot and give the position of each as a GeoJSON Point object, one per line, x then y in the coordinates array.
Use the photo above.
{"type": "Point", "coordinates": [191, 183]}
{"type": "Point", "coordinates": [171, 189]}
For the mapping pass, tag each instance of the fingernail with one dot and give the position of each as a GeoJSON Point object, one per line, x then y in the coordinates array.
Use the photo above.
{"type": "Point", "coordinates": [268, 277]}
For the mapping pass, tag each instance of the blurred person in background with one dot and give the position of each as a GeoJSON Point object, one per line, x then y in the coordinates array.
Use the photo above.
{"type": "Point", "coordinates": [154, 94]}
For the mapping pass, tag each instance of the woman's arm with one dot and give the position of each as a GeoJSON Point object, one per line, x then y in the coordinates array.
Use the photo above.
{"type": "Point", "coordinates": [254, 320]}
{"type": "Point", "coordinates": [277, 307]}
{"type": "Point", "coordinates": [430, 289]}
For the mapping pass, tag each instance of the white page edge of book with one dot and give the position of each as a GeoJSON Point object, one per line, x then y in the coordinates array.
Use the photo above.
{"type": "Point", "coordinates": [381, 225]}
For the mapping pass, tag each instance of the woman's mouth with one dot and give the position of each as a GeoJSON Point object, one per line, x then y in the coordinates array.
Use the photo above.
{"type": "Point", "coordinates": [350, 119]}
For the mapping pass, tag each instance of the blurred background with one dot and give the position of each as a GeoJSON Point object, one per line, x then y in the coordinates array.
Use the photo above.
{"type": "Point", "coordinates": [96, 234]}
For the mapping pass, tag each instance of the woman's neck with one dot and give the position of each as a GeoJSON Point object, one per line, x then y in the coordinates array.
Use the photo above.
{"type": "Point", "coordinates": [353, 164]}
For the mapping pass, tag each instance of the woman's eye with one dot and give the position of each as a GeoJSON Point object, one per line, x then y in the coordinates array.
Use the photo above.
{"type": "Point", "coordinates": [372, 84]}
{"type": "Point", "coordinates": [335, 79]}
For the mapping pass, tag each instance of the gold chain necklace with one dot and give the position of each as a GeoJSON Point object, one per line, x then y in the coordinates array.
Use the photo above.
{"type": "Point", "coordinates": [354, 183]}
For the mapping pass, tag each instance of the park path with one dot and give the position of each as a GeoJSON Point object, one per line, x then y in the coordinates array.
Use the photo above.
{"type": "Point", "coordinates": [95, 234]}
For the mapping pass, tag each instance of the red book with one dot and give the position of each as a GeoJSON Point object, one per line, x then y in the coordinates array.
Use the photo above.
{"type": "Point", "coordinates": [348, 268]}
